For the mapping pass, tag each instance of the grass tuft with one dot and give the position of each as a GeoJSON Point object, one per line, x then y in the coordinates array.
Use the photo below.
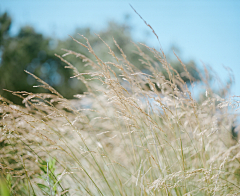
{"type": "Point", "coordinates": [131, 133]}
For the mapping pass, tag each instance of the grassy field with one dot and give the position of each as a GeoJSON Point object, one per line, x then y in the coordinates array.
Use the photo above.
{"type": "Point", "coordinates": [132, 133]}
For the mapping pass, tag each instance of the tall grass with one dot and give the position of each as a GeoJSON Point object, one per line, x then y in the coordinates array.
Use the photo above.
{"type": "Point", "coordinates": [132, 133]}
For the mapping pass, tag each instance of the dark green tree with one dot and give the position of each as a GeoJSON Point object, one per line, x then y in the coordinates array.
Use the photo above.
{"type": "Point", "coordinates": [5, 22]}
{"type": "Point", "coordinates": [30, 51]}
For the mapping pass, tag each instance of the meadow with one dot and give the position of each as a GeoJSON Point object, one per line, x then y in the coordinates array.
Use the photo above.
{"type": "Point", "coordinates": [132, 133]}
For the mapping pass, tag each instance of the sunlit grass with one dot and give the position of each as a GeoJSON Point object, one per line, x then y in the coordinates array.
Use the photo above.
{"type": "Point", "coordinates": [132, 133]}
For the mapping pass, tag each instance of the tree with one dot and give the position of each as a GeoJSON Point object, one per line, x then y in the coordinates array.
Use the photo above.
{"type": "Point", "coordinates": [30, 51]}
{"type": "Point", "coordinates": [5, 22]}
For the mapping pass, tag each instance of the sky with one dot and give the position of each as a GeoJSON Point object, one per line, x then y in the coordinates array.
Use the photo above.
{"type": "Point", "coordinates": [207, 32]}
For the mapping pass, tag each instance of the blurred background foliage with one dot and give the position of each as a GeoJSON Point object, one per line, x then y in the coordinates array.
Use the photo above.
{"type": "Point", "coordinates": [30, 50]}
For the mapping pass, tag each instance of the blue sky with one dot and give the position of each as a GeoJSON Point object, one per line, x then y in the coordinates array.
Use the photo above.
{"type": "Point", "coordinates": [205, 31]}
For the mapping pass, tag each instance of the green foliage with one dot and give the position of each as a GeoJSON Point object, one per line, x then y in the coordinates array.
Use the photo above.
{"type": "Point", "coordinates": [29, 51]}
{"type": "Point", "coordinates": [52, 184]}
{"type": "Point", "coordinates": [4, 186]}
{"type": "Point", "coordinates": [5, 22]}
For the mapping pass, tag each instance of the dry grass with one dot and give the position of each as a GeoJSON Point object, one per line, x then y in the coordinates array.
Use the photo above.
{"type": "Point", "coordinates": [130, 134]}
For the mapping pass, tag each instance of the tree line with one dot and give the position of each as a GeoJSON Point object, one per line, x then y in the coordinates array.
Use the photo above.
{"type": "Point", "coordinates": [32, 51]}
